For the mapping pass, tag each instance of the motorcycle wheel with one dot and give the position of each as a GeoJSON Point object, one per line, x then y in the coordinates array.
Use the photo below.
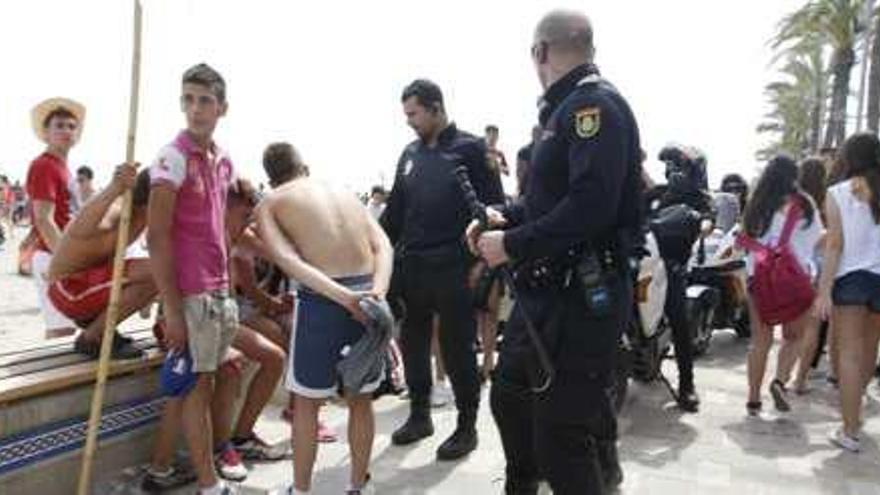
{"type": "Point", "coordinates": [700, 325]}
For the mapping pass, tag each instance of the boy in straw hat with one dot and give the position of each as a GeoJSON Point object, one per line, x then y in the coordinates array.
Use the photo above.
{"type": "Point", "coordinates": [58, 123]}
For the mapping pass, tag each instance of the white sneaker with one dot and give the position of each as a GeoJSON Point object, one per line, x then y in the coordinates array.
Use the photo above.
{"type": "Point", "coordinates": [441, 395]}
{"type": "Point", "coordinates": [229, 465]}
{"type": "Point", "coordinates": [844, 441]}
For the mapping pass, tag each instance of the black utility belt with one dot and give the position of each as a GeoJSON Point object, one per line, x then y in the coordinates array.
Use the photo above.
{"type": "Point", "coordinates": [595, 274]}
{"type": "Point", "coordinates": [543, 274]}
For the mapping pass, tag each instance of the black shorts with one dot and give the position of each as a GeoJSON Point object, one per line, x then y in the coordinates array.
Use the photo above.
{"type": "Point", "coordinates": [859, 288]}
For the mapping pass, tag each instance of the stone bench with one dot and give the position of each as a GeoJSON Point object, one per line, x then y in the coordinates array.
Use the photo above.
{"type": "Point", "coordinates": [45, 397]}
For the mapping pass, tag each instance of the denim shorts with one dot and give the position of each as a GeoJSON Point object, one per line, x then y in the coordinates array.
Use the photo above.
{"type": "Point", "coordinates": [859, 288]}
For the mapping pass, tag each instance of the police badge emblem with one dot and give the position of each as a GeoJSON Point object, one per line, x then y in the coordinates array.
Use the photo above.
{"type": "Point", "coordinates": [587, 122]}
{"type": "Point", "coordinates": [407, 167]}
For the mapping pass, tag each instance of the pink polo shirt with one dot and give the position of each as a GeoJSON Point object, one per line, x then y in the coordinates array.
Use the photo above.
{"type": "Point", "coordinates": [199, 225]}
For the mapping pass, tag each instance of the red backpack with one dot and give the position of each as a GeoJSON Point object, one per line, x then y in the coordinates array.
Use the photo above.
{"type": "Point", "coordinates": [781, 289]}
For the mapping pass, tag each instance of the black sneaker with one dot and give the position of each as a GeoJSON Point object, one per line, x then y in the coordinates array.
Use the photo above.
{"type": "Point", "coordinates": [176, 477]}
{"type": "Point", "coordinates": [254, 448]}
{"type": "Point", "coordinates": [780, 396]}
{"type": "Point", "coordinates": [753, 408]}
{"type": "Point", "coordinates": [417, 427]}
{"type": "Point", "coordinates": [120, 349]}
{"type": "Point", "coordinates": [462, 442]}
{"type": "Point", "coordinates": [124, 338]}
{"type": "Point", "coordinates": [688, 400]}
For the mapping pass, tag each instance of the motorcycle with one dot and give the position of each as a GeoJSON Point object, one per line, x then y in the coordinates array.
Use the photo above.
{"type": "Point", "coordinates": [647, 340]}
{"type": "Point", "coordinates": [718, 263]}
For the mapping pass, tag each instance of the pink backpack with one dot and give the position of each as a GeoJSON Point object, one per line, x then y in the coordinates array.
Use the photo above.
{"type": "Point", "coordinates": [781, 289]}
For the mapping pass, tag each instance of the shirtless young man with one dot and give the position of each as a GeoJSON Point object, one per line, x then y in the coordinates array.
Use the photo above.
{"type": "Point", "coordinates": [81, 269]}
{"type": "Point", "coordinates": [327, 241]}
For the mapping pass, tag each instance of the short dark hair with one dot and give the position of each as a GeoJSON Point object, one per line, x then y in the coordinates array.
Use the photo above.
{"type": "Point", "coordinates": [59, 112]}
{"type": "Point", "coordinates": [427, 93]}
{"type": "Point", "coordinates": [377, 190]}
{"type": "Point", "coordinates": [243, 192]}
{"type": "Point", "coordinates": [205, 75]}
{"type": "Point", "coordinates": [568, 30]}
{"type": "Point", "coordinates": [282, 163]}
{"type": "Point", "coordinates": [492, 128]}
{"type": "Point", "coordinates": [86, 171]}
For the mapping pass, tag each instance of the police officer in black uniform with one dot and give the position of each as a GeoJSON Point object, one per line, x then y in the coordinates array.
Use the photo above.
{"type": "Point", "coordinates": [567, 241]}
{"type": "Point", "coordinates": [686, 186]}
{"type": "Point", "coordinates": [424, 219]}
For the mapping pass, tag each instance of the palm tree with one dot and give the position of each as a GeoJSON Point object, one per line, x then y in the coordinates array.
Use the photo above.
{"type": "Point", "coordinates": [789, 119]}
{"type": "Point", "coordinates": [839, 23]}
{"type": "Point", "coordinates": [798, 101]}
{"type": "Point", "coordinates": [873, 110]}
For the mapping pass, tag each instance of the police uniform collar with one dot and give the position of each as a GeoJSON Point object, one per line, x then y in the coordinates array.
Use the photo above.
{"type": "Point", "coordinates": [445, 136]}
{"type": "Point", "coordinates": [561, 88]}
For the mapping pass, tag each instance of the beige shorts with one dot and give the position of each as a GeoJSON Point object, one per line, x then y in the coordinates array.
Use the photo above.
{"type": "Point", "coordinates": [211, 322]}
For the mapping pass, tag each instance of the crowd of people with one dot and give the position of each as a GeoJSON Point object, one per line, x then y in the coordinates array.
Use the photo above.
{"type": "Point", "coordinates": [304, 280]}
{"type": "Point", "coordinates": [824, 215]}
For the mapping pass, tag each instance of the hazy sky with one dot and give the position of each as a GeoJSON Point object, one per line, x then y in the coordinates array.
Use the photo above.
{"type": "Point", "coordinates": [327, 75]}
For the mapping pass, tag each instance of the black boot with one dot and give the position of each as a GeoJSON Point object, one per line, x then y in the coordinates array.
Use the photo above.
{"type": "Point", "coordinates": [463, 440]}
{"type": "Point", "coordinates": [417, 426]}
{"type": "Point", "coordinates": [612, 473]}
{"type": "Point", "coordinates": [688, 400]}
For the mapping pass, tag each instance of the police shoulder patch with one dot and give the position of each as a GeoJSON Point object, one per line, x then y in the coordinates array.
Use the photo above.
{"type": "Point", "coordinates": [587, 121]}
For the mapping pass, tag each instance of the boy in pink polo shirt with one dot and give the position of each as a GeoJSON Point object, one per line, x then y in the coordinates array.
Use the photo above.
{"type": "Point", "coordinates": [190, 181]}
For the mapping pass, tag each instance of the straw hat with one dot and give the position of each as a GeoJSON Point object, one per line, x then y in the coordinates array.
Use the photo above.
{"type": "Point", "coordinates": [41, 111]}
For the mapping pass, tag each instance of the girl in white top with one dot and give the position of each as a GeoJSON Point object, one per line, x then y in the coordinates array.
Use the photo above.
{"type": "Point", "coordinates": [763, 220]}
{"type": "Point", "coordinates": [849, 289]}
{"type": "Point", "coordinates": [813, 180]}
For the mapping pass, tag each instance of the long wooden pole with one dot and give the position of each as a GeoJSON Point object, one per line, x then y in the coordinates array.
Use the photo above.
{"type": "Point", "coordinates": [118, 258]}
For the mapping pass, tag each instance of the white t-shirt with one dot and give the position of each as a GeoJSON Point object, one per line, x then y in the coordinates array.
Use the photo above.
{"type": "Point", "coordinates": [803, 240]}
{"type": "Point", "coordinates": [861, 235]}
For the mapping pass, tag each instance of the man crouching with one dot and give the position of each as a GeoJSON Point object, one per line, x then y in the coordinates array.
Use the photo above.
{"type": "Point", "coordinates": [327, 241]}
{"type": "Point", "coordinates": [81, 270]}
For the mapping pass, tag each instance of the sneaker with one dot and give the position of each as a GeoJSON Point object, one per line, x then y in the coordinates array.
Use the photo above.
{"type": "Point", "coordinates": [753, 408]}
{"type": "Point", "coordinates": [365, 489]}
{"type": "Point", "coordinates": [780, 396]}
{"type": "Point", "coordinates": [174, 477]}
{"type": "Point", "coordinates": [120, 349]}
{"type": "Point", "coordinates": [229, 465]}
{"type": "Point", "coordinates": [844, 441]}
{"type": "Point", "coordinates": [253, 448]}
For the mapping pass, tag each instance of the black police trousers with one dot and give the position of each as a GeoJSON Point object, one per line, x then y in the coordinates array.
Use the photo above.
{"type": "Point", "coordinates": [559, 435]}
{"type": "Point", "coordinates": [439, 287]}
{"type": "Point", "coordinates": [676, 314]}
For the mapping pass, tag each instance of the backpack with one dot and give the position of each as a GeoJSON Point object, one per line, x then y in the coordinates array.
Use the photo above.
{"type": "Point", "coordinates": [781, 289]}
